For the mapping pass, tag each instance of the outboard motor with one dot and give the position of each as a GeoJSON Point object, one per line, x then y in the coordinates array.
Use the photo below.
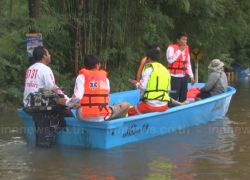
{"type": "Point", "coordinates": [47, 115]}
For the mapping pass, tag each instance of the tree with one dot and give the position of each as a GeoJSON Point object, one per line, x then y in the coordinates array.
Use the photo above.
{"type": "Point", "coordinates": [117, 31]}
{"type": "Point", "coordinates": [34, 8]}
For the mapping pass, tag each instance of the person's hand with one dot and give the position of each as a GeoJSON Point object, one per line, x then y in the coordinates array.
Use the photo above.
{"type": "Point", "coordinates": [61, 101]}
{"type": "Point", "coordinates": [76, 105]}
{"type": "Point", "coordinates": [185, 102]}
{"type": "Point", "coordinates": [192, 81]}
{"type": "Point", "coordinates": [73, 103]}
{"type": "Point", "coordinates": [132, 81]}
{"type": "Point", "coordinates": [182, 47]}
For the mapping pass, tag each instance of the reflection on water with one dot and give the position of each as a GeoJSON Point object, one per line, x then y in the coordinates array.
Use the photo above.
{"type": "Point", "coordinates": [217, 150]}
{"type": "Point", "coordinates": [159, 168]}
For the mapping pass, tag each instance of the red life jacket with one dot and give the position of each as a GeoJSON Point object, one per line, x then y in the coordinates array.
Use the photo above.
{"type": "Point", "coordinates": [96, 94]}
{"type": "Point", "coordinates": [193, 92]}
{"type": "Point", "coordinates": [180, 65]}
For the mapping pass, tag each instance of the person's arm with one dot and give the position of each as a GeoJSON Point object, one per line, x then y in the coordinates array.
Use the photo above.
{"type": "Point", "coordinates": [108, 84]}
{"type": "Point", "coordinates": [212, 80]}
{"type": "Point", "coordinates": [171, 55]}
{"type": "Point", "coordinates": [189, 68]}
{"type": "Point", "coordinates": [142, 84]}
{"type": "Point", "coordinates": [74, 101]}
{"type": "Point", "coordinates": [139, 71]}
{"type": "Point", "coordinates": [78, 91]}
{"type": "Point", "coordinates": [49, 82]}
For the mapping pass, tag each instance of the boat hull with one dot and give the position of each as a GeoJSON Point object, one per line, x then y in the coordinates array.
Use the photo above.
{"type": "Point", "coordinates": [121, 131]}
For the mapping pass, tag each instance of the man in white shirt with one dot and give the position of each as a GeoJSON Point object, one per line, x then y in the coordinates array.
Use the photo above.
{"type": "Point", "coordinates": [179, 66]}
{"type": "Point", "coordinates": [39, 75]}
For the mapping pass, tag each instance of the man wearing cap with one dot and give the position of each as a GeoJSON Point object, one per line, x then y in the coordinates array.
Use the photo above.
{"type": "Point", "coordinates": [217, 80]}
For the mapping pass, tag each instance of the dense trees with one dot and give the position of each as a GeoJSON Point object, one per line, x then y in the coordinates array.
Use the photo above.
{"type": "Point", "coordinates": [117, 31]}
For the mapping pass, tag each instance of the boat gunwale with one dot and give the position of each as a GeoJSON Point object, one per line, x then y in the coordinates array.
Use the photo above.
{"type": "Point", "coordinates": [118, 122]}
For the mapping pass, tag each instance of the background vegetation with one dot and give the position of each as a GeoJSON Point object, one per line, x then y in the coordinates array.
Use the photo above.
{"type": "Point", "coordinates": [118, 31]}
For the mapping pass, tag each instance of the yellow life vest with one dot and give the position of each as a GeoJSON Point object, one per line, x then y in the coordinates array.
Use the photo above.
{"type": "Point", "coordinates": [158, 83]}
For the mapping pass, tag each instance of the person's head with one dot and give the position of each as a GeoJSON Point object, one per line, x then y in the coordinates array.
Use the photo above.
{"type": "Point", "coordinates": [153, 54]}
{"type": "Point", "coordinates": [154, 46]}
{"type": "Point", "coordinates": [91, 61]}
{"type": "Point", "coordinates": [41, 54]}
{"type": "Point", "coordinates": [216, 65]}
{"type": "Point", "coordinates": [181, 38]}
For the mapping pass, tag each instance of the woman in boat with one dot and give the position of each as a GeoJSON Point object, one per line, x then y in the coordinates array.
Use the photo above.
{"type": "Point", "coordinates": [92, 89]}
{"type": "Point", "coordinates": [217, 80]}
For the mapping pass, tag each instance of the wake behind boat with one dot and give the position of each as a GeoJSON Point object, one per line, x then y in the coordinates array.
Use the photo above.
{"type": "Point", "coordinates": [109, 134]}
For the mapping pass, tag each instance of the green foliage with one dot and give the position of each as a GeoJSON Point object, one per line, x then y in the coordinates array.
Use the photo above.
{"type": "Point", "coordinates": [118, 31]}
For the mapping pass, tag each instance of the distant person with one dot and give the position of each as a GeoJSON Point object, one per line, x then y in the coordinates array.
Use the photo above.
{"type": "Point", "coordinates": [217, 80]}
{"type": "Point", "coordinates": [39, 75]}
{"type": "Point", "coordinates": [179, 66]}
{"type": "Point", "coordinates": [153, 86]}
{"type": "Point", "coordinates": [92, 89]}
{"type": "Point", "coordinates": [144, 61]}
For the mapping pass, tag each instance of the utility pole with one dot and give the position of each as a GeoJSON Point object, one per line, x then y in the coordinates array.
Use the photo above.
{"type": "Point", "coordinates": [78, 38]}
{"type": "Point", "coordinates": [34, 8]}
{"type": "Point", "coordinates": [10, 8]}
{"type": "Point", "coordinates": [196, 55]}
{"type": "Point", "coordinates": [33, 38]}
{"type": "Point", "coordinates": [0, 8]}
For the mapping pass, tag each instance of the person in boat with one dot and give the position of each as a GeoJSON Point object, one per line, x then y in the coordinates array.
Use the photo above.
{"type": "Point", "coordinates": [92, 89]}
{"type": "Point", "coordinates": [39, 75]}
{"type": "Point", "coordinates": [154, 86]}
{"type": "Point", "coordinates": [217, 80]}
{"type": "Point", "coordinates": [178, 59]}
{"type": "Point", "coordinates": [144, 61]}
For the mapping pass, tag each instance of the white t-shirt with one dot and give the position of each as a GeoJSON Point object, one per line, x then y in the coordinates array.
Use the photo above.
{"type": "Point", "coordinates": [38, 76]}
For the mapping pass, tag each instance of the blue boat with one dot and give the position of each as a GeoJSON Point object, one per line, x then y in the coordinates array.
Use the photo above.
{"type": "Point", "coordinates": [109, 134]}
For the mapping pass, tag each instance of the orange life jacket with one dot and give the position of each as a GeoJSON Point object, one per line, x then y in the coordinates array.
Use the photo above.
{"type": "Point", "coordinates": [180, 65]}
{"type": "Point", "coordinates": [96, 94]}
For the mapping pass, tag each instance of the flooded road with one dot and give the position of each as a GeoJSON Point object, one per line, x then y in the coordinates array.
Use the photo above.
{"type": "Point", "coordinates": [217, 150]}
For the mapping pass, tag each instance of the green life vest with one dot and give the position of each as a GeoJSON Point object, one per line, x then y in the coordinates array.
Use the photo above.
{"type": "Point", "coordinates": [158, 83]}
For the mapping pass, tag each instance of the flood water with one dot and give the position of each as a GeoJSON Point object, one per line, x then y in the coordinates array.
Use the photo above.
{"type": "Point", "coordinates": [217, 150]}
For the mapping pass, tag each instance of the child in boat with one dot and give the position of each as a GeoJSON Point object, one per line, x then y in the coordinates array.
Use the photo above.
{"type": "Point", "coordinates": [217, 80]}
{"type": "Point", "coordinates": [92, 89]}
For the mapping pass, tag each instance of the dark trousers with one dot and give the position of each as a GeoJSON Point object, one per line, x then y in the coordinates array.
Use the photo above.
{"type": "Point", "coordinates": [204, 95]}
{"type": "Point", "coordinates": [179, 88]}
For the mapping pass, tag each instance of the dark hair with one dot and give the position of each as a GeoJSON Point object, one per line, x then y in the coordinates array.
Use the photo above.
{"type": "Point", "coordinates": [181, 34]}
{"type": "Point", "coordinates": [90, 61]}
{"type": "Point", "coordinates": [153, 54]}
{"type": "Point", "coordinates": [38, 53]}
{"type": "Point", "coordinates": [152, 46]}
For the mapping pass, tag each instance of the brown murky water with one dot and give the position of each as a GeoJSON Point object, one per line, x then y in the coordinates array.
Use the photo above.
{"type": "Point", "coordinates": [217, 150]}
